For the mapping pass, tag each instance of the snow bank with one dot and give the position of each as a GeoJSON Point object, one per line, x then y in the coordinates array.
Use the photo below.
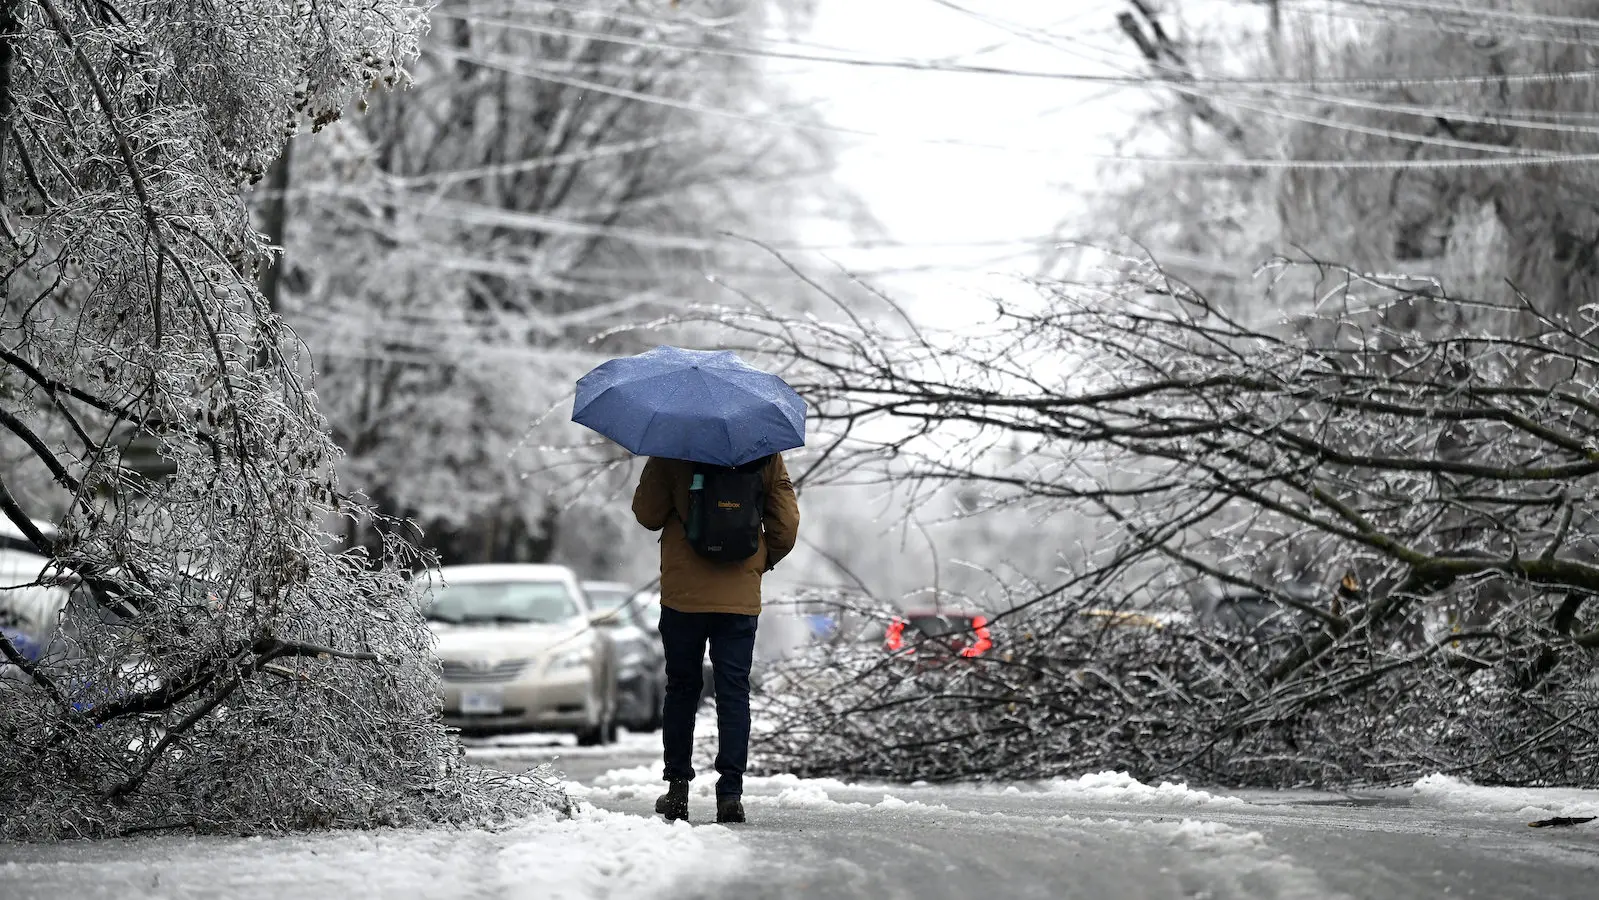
{"type": "Point", "coordinates": [1122, 788]}
{"type": "Point", "coordinates": [706, 783]}
{"type": "Point", "coordinates": [596, 854]}
{"type": "Point", "coordinates": [805, 796]}
{"type": "Point", "coordinates": [1446, 792]}
{"type": "Point", "coordinates": [793, 792]}
{"type": "Point", "coordinates": [784, 791]}
{"type": "Point", "coordinates": [642, 782]}
{"type": "Point", "coordinates": [892, 803]}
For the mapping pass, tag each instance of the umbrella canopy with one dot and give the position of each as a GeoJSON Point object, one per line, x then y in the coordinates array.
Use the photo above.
{"type": "Point", "coordinates": [698, 405]}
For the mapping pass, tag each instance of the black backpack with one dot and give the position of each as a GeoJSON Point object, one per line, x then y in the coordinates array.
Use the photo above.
{"type": "Point", "coordinates": [725, 509]}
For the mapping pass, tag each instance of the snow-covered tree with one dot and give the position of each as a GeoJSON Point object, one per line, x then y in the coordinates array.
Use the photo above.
{"type": "Point", "coordinates": [556, 169]}
{"type": "Point", "coordinates": [1493, 104]}
{"type": "Point", "coordinates": [1448, 141]}
{"type": "Point", "coordinates": [219, 666]}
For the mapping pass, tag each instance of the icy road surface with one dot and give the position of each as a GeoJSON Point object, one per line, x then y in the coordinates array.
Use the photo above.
{"type": "Point", "coordinates": [1097, 836]}
{"type": "Point", "coordinates": [1107, 836]}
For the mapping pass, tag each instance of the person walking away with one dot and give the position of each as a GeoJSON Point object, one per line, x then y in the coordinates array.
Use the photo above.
{"type": "Point", "coordinates": [722, 529]}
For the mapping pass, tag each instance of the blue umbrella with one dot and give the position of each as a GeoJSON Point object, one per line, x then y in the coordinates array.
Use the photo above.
{"type": "Point", "coordinates": [703, 406]}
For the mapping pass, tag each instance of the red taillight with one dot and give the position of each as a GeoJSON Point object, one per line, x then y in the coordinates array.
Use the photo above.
{"type": "Point", "coordinates": [894, 638]}
{"type": "Point", "coordinates": [984, 640]}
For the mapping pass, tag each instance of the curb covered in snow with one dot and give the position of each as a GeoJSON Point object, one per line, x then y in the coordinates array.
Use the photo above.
{"type": "Point", "coordinates": [1448, 792]}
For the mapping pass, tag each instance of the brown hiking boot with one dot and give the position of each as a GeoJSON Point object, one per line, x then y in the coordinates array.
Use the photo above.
{"type": "Point", "coordinates": [674, 803]}
{"type": "Point", "coordinates": [729, 810]}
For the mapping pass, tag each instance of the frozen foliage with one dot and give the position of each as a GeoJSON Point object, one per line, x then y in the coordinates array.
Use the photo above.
{"type": "Point", "coordinates": [1111, 712]}
{"type": "Point", "coordinates": [1409, 516]}
{"type": "Point", "coordinates": [219, 667]}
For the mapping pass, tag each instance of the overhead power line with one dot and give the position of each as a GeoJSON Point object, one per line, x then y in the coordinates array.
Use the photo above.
{"type": "Point", "coordinates": [1196, 88]}
{"type": "Point", "coordinates": [512, 66]}
{"type": "Point", "coordinates": [1360, 83]}
{"type": "Point", "coordinates": [485, 214]}
{"type": "Point", "coordinates": [1428, 23]}
{"type": "Point", "coordinates": [1559, 122]}
{"type": "Point", "coordinates": [676, 21]}
{"type": "Point", "coordinates": [1500, 162]}
{"type": "Point", "coordinates": [1480, 12]}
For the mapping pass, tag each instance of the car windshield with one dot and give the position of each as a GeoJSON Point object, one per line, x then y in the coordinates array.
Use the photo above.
{"type": "Point", "coordinates": [605, 599]}
{"type": "Point", "coordinates": [519, 601]}
{"type": "Point", "coordinates": [1249, 614]}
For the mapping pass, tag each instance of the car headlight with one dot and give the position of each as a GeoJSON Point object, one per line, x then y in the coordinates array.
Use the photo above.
{"type": "Point", "coordinates": [572, 659]}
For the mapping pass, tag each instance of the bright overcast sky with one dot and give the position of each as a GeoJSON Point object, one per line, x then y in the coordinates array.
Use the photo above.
{"type": "Point", "coordinates": [1040, 131]}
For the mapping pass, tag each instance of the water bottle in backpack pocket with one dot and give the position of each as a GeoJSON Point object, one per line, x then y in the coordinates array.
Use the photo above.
{"type": "Point", "coordinates": [725, 509]}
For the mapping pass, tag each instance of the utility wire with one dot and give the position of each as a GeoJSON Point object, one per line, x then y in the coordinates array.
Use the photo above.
{"type": "Point", "coordinates": [674, 23]}
{"type": "Point", "coordinates": [513, 167]}
{"type": "Point", "coordinates": [1365, 82]}
{"type": "Point", "coordinates": [1184, 88]}
{"type": "Point", "coordinates": [1336, 124]}
{"type": "Point", "coordinates": [1488, 13]}
{"type": "Point", "coordinates": [1414, 22]}
{"type": "Point", "coordinates": [1183, 84]}
{"type": "Point", "coordinates": [513, 67]}
{"type": "Point", "coordinates": [474, 213]}
{"type": "Point", "coordinates": [1562, 122]}
{"type": "Point", "coordinates": [1191, 87]}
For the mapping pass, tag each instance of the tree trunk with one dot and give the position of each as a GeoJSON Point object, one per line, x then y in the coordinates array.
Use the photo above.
{"type": "Point", "coordinates": [277, 215]}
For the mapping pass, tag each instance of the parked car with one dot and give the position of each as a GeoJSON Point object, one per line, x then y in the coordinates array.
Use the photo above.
{"type": "Point", "coordinates": [1264, 618]}
{"type": "Point", "coordinates": [640, 659]}
{"type": "Point", "coordinates": [1130, 618]}
{"type": "Point", "coordinates": [44, 613]}
{"type": "Point", "coordinates": [519, 651]}
{"type": "Point", "coordinates": [649, 606]}
{"type": "Point", "coordinates": [1242, 611]}
{"type": "Point", "coordinates": [30, 611]}
{"type": "Point", "coordinates": [964, 632]}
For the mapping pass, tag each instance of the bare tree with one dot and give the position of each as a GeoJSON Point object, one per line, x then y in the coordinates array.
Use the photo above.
{"type": "Point", "coordinates": [219, 667]}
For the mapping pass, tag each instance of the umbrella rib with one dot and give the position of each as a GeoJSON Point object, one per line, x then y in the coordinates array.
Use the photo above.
{"type": "Point", "coordinates": [655, 413]}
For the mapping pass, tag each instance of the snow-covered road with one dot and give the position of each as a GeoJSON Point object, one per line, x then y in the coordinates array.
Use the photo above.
{"type": "Point", "coordinates": [1111, 837]}
{"type": "Point", "coordinates": [1108, 836]}
{"type": "Point", "coordinates": [1099, 836]}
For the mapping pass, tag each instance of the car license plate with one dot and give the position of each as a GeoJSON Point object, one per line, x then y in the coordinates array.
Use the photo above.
{"type": "Point", "coordinates": [482, 702]}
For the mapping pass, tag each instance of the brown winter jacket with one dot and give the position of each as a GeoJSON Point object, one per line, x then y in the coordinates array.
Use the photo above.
{"type": "Point", "coordinates": [690, 582]}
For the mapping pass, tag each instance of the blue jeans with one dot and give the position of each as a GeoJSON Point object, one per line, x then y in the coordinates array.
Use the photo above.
{"type": "Point", "coordinates": [732, 642]}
